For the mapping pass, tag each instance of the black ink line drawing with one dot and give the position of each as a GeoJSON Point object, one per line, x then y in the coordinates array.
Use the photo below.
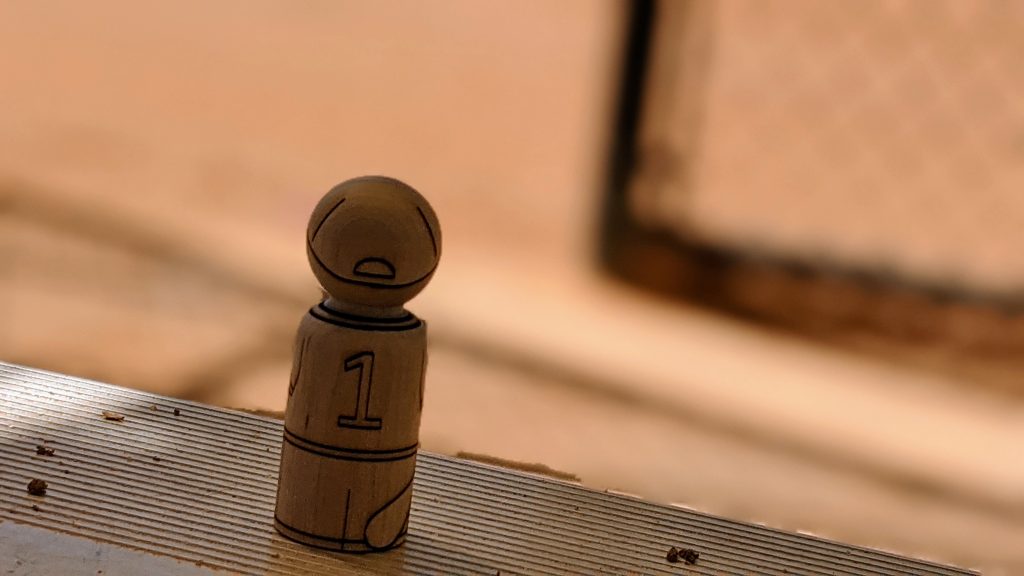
{"type": "Point", "coordinates": [375, 268]}
{"type": "Point", "coordinates": [298, 366]}
{"type": "Point", "coordinates": [361, 420]}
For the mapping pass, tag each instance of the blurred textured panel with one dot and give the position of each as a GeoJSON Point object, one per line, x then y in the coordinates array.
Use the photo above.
{"type": "Point", "coordinates": [878, 135]}
{"type": "Point", "coordinates": [197, 483]}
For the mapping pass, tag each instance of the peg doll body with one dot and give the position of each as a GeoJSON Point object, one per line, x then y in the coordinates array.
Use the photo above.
{"type": "Point", "coordinates": [356, 390]}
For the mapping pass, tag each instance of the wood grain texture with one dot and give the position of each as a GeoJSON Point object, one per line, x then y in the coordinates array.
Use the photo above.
{"type": "Point", "coordinates": [356, 391]}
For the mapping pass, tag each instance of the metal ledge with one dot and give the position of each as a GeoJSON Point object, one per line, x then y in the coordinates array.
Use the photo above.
{"type": "Point", "coordinates": [197, 484]}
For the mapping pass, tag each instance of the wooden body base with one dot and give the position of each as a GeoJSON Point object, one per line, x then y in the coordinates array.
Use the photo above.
{"type": "Point", "coordinates": [351, 431]}
{"type": "Point", "coordinates": [329, 544]}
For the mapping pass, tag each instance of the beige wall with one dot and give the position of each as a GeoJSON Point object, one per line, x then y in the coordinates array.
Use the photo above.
{"type": "Point", "coordinates": [210, 129]}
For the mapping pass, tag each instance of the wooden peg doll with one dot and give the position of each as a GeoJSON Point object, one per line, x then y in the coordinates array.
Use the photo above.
{"type": "Point", "coordinates": [356, 390]}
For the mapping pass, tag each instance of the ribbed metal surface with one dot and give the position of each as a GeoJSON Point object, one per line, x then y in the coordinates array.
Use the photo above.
{"type": "Point", "coordinates": [200, 487]}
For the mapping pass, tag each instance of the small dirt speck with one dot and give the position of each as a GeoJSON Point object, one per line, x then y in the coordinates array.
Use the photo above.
{"type": "Point", "coordinates": [35, 507]}
{"type": "Point", "coordinates": [687, 555]}
{"type": "Point", "coordinates": [157, 459]}
{"type": "Point", "coordinates": [113, 416]}
{"type": "Point", "coordinates": [177, 412]}
{"type": "Point", "coordinates": [37, 487]}
{"type": "Point", "coordinates": [44, 451]}
{"type": "Point", "coordinates": [152, 407]}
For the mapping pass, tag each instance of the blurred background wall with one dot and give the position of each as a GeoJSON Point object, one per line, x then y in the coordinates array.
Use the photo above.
{"type": "Point", "coordinates": [201, 136]}
{"type": "Point", "coordinates": [158, 162]}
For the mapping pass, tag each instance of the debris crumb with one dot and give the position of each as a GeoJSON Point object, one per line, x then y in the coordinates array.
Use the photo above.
{"type": "Point", "coordinates": [276, 414]}
{"type": "Point", "coordinates": [44, 451]}
{"type": "Point", "coordinates": [37, 487]}
{"type": "Point", "coordinates": [152, 407]}
{"type": "Point", "coordinates": [35, 507]}
{"type": "Point", "coordinates": [673, 555]}
{"type": "Point", "coordinates": [687, 555]}
{"type": "Point", "coordinates": [177, 412]}
{"type": "Point", "coordinates": [113, 416]}
{"type": "Point", "coordinates": [157, 458]}
{"type": "Point", "coordinates": [533, 467]}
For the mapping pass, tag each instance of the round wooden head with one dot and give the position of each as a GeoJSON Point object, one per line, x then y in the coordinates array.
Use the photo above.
{"type": "Point", "coordinates": [373, 241]}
